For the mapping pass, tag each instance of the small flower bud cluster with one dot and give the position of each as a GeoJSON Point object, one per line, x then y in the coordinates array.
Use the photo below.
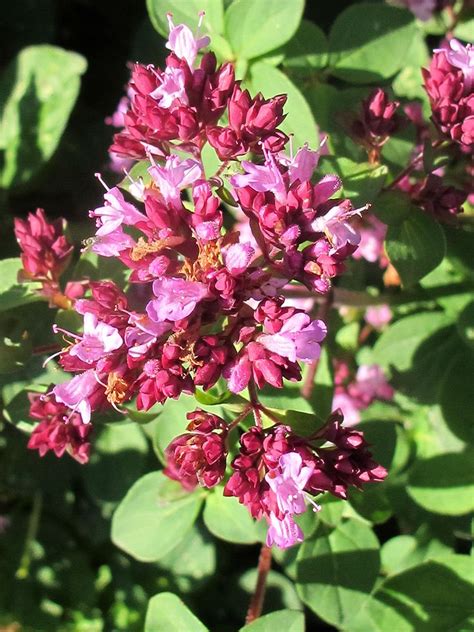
{"type": "Point", "coordinates": [378, 121]}
{"type": "Point", "coordinates": [58, 430]}
{"type": "Point", "coordinates": [46, 253]}
{"type": "Point", "coordinates": [449, 82]}
{"type": "Point", "coordinates": [199, 456]}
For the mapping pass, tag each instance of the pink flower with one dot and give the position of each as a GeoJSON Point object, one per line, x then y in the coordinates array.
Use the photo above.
{"type": "Point", "coordinates": [378, 316]}
{"type": "Point", "coordinates": [175, 299]}
{"type": "Point", "coordinates": [175, 175]}
{"type": "Point", "coordinates": [75, 393]}
{"type": "Point", "coordinates": [97, 340]}
{"type": "Point", "coordinates": [112, 244]}
{"type": "Point", "coordinates": [372, 234]}
{"type": "Point", "coordinates": [461, 57]}
{"type": "Point", "coordinates": [173, 86]}
{"type": "Point", "coordinates": [340, 233]}
{"type": "Point", "coordinates": [301, 167]}
{"type": "Point", "coordinates": [237, 257]}
{"type": "Point", "coordinates": [298, 339]}
{"type": "Point", "coordinates": [370, 384]}
{"type": "Point", "coordinates": [422, 9]}
{"type": "Point", "coordinates": [56, 431]}
{"type": "Point", "coordinates": [45, 250]}
{"type": "Point", "coordinates": [183, 43]}
{"type": "Point", "coordinates": [288, 482]}
{"type": "Point", "coordinates": [284, 532]}
{"type": "Point", "coordinates": [114, 213]}
{"type": "Point", "coordinates": [348, 405]}
{"type": "Point", "coordinates": [199, 456]}
{"type": "Point", "coordinates": [261, 178]}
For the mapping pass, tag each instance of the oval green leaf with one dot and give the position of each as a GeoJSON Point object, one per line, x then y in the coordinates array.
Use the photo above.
{"type": "Point", "coordinates": [444, 484]}
{"type": "Point", "coordinates": [154, 517]}
{"type": "Point", "coordinates": [255, 27]}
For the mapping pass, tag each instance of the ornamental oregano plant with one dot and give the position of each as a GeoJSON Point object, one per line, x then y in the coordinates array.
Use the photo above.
{"type": "Point", "coordinates": [247, 298]}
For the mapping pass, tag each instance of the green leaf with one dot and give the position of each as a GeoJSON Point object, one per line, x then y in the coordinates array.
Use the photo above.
{"type": "Point", "coordinates": [154, 517]}
{"type": "Point", "coordinates": [393, 207]}
{"type": "Point", "coordinates": [116, 462]}
{"type": "Point", "coordinates": [167, 613]}
{"type": "Point", "coordinates": [323, 391]}
{"type": "Point", "coordinates": [435, 596]}
{"type": "Point", "coordinates": [456, 397]}
{"type": "Point", "coordinates": [287, 620]}
{"type": "Point", "coordinates": [369, 42]}
{"type": "Point", "coordinates": [444, 484]}
{"type": "Point", "coordinates": [255, 27]}
{"type": "Point", "coordinates": [12, 293]}
{"type": "Point", "coordinates": [228, 520]}
{"type": "Point", "coordinates": [307, 50]}
{"type": "Point", "coordinates": [187, 12]}
{"type": "Point", "coordinates": [37, 93]}
{"type": "Point", "coordinates": [337, 569]}
{"type": "Point", "coordinates": [397, 345]}
{"type": "Point", "coordinates": [280, 594]}
{"type": "Point", "coordinates": [405, 551]}
{"type": "Point", "coordinates": [361, 182]}
{"type": "Point", "coordinates": [466, 324]}
{"type": "Point", "coordinates": [415, 247]}
{"type": "Point", "coordinates": [194, 558]}
{"type": "Point", "coordinates": [299, 121]}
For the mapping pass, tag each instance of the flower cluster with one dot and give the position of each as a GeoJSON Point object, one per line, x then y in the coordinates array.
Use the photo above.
{"type": "Point", "coordinates": [354, 395]}
{"type": "Point", "coordinates": [277, 472]}
{"type": "Point", "coordinates": [205, 303]}
{"type": "Point", "coordinates": [59, 430]}
{"type": "Point", "coordinates": [449, 82]}
{"type": "Point", "coordinates": [378, 121]}
{"type": "Point", "coordinates": [46, 253]}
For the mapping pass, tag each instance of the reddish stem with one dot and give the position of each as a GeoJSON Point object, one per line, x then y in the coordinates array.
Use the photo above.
{"type": "Point", "coordinates": [410, 167]}
{"type": "Point", "coordinates": [255, 403]}
{"type": "Point", "coordinates": [256, 602]}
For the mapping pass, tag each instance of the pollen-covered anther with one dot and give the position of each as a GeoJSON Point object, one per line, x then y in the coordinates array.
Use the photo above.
{"type": "Point", "coordinates": [116, 390]}
{"type": "Point", "coordinates": [144, 248]}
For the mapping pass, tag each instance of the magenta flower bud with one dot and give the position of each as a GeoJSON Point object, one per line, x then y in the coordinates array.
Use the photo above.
{"type": "Point", "coordinates": [45, 250]}
{"type": "Point", "coordinates": [449, 84]}
{"type": "Point", "coordinates": [198, 457]}
{"type": "Point", "coordinates": [58, 430]}
{"type": "Point", "coordinates": [378, 120]}
{"type": "Point", "coordinates": [442, 201]}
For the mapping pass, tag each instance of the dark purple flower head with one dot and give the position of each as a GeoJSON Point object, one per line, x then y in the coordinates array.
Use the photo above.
{"type": "Point", "coordinates": [45, 250]}
{"type": "Point", "coordinates": [378, 120]}
{"type": "Point", "coordinates": [199, 456]}
{"type": "Point", "coordinates": [58, 430]}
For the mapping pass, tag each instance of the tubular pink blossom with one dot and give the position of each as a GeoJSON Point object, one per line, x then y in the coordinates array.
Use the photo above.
{"type": "Point", "coordinates": [175, 299]}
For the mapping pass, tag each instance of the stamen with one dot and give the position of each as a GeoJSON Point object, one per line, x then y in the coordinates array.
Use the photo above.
{"type": "Point", "coordinates": [57, 330]}
{"type": "Point", "coordinates": [100, 179]}
{"type": "Point", "coordinates": [55, 355]}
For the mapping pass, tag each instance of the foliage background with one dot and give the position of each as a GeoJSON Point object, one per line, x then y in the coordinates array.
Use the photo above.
{"type": "Point", "coordinates": [59, 569]}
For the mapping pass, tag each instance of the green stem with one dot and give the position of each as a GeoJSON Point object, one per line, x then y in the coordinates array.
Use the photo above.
{"type": "Point", "coordinates": [33, 524]}
{"type": "Point", "coordinates": [353, 298]}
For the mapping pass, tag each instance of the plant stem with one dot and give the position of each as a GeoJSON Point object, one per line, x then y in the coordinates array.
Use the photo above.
{"type": "Point", "coordinates": [256, 602]}
{"type": "Point", "coordinates": [410, 167]}
{"type": "Point", "coordinates": [241, 416]}
{"type": "Point", "coordinates": [33, 524]}
{"type": "Point", "coordinates": [354, 298]}
{"type": "Point", "coordinates": [255, 403]}
{"type": "Point", "coordinates": [323, 314]}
